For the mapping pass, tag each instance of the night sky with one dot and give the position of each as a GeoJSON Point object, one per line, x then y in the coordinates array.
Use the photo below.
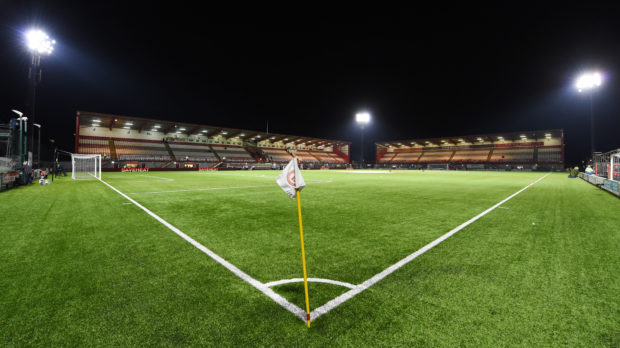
{"type": "Point", "coordinates": [420, 72]}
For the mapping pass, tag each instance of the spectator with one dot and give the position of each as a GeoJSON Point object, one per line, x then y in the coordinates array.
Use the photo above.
{"type": "Point", "coordinates": [27, 174]}
{"type": "Point", "coordinates": [61, 169]}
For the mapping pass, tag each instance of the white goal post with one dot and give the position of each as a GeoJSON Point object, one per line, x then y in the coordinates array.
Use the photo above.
{"type": "Point", "coordinates": [85, 167]}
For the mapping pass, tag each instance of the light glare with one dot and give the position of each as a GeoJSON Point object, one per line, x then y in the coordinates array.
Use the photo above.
{"type": "Point", "coordinates": [39, 42]}
{"type": "Point", "coordinates": [362, 117]}
{"type": "Point", "coordinates": [588, 81]}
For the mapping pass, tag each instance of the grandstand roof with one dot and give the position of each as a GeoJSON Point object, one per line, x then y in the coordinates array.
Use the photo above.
{"type": "Point", "coordinates": [473, 139]}
{"type": "Point", "coordinates": [169, 127]}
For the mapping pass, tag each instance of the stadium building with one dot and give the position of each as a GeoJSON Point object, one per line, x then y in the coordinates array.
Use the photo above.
{"type": "Point", "coordinates": [125, 141]}
{"type": "Point", "coordinates": [534, 150]}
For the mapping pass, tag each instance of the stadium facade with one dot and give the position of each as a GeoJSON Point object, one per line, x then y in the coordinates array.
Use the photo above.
{"type": "Point", "coordinates": [532, 150]}
{"type": "Point", "coordinates": [133, 142]}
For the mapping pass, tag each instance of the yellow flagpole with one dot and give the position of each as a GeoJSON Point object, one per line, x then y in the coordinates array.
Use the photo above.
{"type": "Point", "coordinates": [303, 258]}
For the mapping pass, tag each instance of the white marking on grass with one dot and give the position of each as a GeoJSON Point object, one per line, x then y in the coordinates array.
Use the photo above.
{"type": "Point", "coordinates": [127, 203]}
{"type": "Point", "coordinates": [310, 280]}
{"type": "Point", "coordinates": [379, 276]}
{"type": "Point", "coordinates": [157, 177]}
{"type": "Point", "coordinates": [222, 188]}
{"type": "Point", "coordinates": [298, 312]}
{"type": "Point", "coordinates": [503, 207]}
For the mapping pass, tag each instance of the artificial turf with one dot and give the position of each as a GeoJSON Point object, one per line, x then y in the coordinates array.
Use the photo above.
{"type": "Point", "coordinates": [80, 266]}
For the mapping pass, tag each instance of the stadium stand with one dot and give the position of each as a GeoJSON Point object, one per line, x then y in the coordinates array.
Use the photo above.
{"type": "Point", "coordinates": [95, 145]}
{"type": "Point", "coordinates": [140, 150]}
{"type": "Point", "coordinates": [550, 154]}
{"type": "Point", "coordinates": [305, 156]}
{"type": "Point", "coordinates": [406, 157]}
{"type": "Point", "coordinates": [277, 155]}
{"type": "Point", "coordinates": [233, 153]}
{"type": "Point", "coordinates": [517, 155]}
{"type": "Point", "coordinates": [132, 141]}
{"type": "Point", "coordinates": [441, 156]}
{"type": "Point", "coordinates": [471, 156]}
{"type": "Point", "coordinates": [193, 152]}
{"type": "Point", "coordinates": [523, 150]}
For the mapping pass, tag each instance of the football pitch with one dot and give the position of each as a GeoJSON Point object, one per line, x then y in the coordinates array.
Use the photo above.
{"type": "Point", "coordinates": [403, 258]}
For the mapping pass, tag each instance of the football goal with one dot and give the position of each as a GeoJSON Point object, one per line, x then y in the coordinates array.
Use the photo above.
{"type": "Point", "coordinates": [85, 167]}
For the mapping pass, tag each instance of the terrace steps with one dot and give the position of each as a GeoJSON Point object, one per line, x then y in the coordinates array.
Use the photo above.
{"type": "Point", "coordinates": [169, 149]}
{"type": "Point", "coordinates": [112, 149]}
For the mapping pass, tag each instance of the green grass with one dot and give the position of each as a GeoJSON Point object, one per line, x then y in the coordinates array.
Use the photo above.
{"type": "Point", "coordinates": [80, 268]}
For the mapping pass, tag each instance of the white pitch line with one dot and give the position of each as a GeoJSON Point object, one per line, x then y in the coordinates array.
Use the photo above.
{"type": "Point", "coordinates": [379, 276]}
{"type": "Point", "coordinates": [310, 280]}
{"type": "Point", "coordinates": [153, 176]}
{"type": "Point", "coordinates": [220, 188]}
{"type": "Point", "coordinates": [298, 312]}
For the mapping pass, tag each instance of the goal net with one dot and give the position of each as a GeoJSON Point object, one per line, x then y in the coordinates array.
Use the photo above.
{"type": "Point", "coordinates": [85, 167]}
{"type": "Point", "coordinates": [607, 164]}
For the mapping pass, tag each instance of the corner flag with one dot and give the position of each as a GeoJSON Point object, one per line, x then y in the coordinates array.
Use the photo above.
{"type": "Point", "coordinates": [290, 179]}
{"type": "Point", "coordinates": [291, 182]}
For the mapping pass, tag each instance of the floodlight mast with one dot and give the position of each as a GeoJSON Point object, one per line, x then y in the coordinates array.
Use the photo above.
{"type": "Point", "coordinates": [362, 118]}
{"type": "Point", "coordinates": [39, 44]}
{"type": "Point", "coordinates": [588, 82]}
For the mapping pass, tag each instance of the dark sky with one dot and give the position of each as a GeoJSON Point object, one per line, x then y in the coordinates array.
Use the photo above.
{"type": "Point", "coordinates": [421, 72]}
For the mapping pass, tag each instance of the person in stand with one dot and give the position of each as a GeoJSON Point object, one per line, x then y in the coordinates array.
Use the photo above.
{"type": "Point", "coordinates": [27, 174]}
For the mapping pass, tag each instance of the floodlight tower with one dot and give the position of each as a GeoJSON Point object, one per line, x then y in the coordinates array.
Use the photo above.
{"type": "Point", "coordinates": [39, 44]}
{"type": "Point", "coordinates": [588, 82]}
{"type": "Point", "coordinates": [362, 118]}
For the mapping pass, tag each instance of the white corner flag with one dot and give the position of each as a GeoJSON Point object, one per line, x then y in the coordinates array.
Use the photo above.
{"type": "Point", "coordinates": [290, 179]}
{"type": "Point", "coordinates": [291, 182]}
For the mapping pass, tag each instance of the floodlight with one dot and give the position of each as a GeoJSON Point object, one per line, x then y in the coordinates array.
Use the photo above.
{"type": "Point", "coordinates": [362, 117]}
{"type": "Point", "coordinates": [39, 42]}
{"type": "Point", "coordinates": [588, 81]}
{"type": "Point", "coordinates": [19, 113]}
